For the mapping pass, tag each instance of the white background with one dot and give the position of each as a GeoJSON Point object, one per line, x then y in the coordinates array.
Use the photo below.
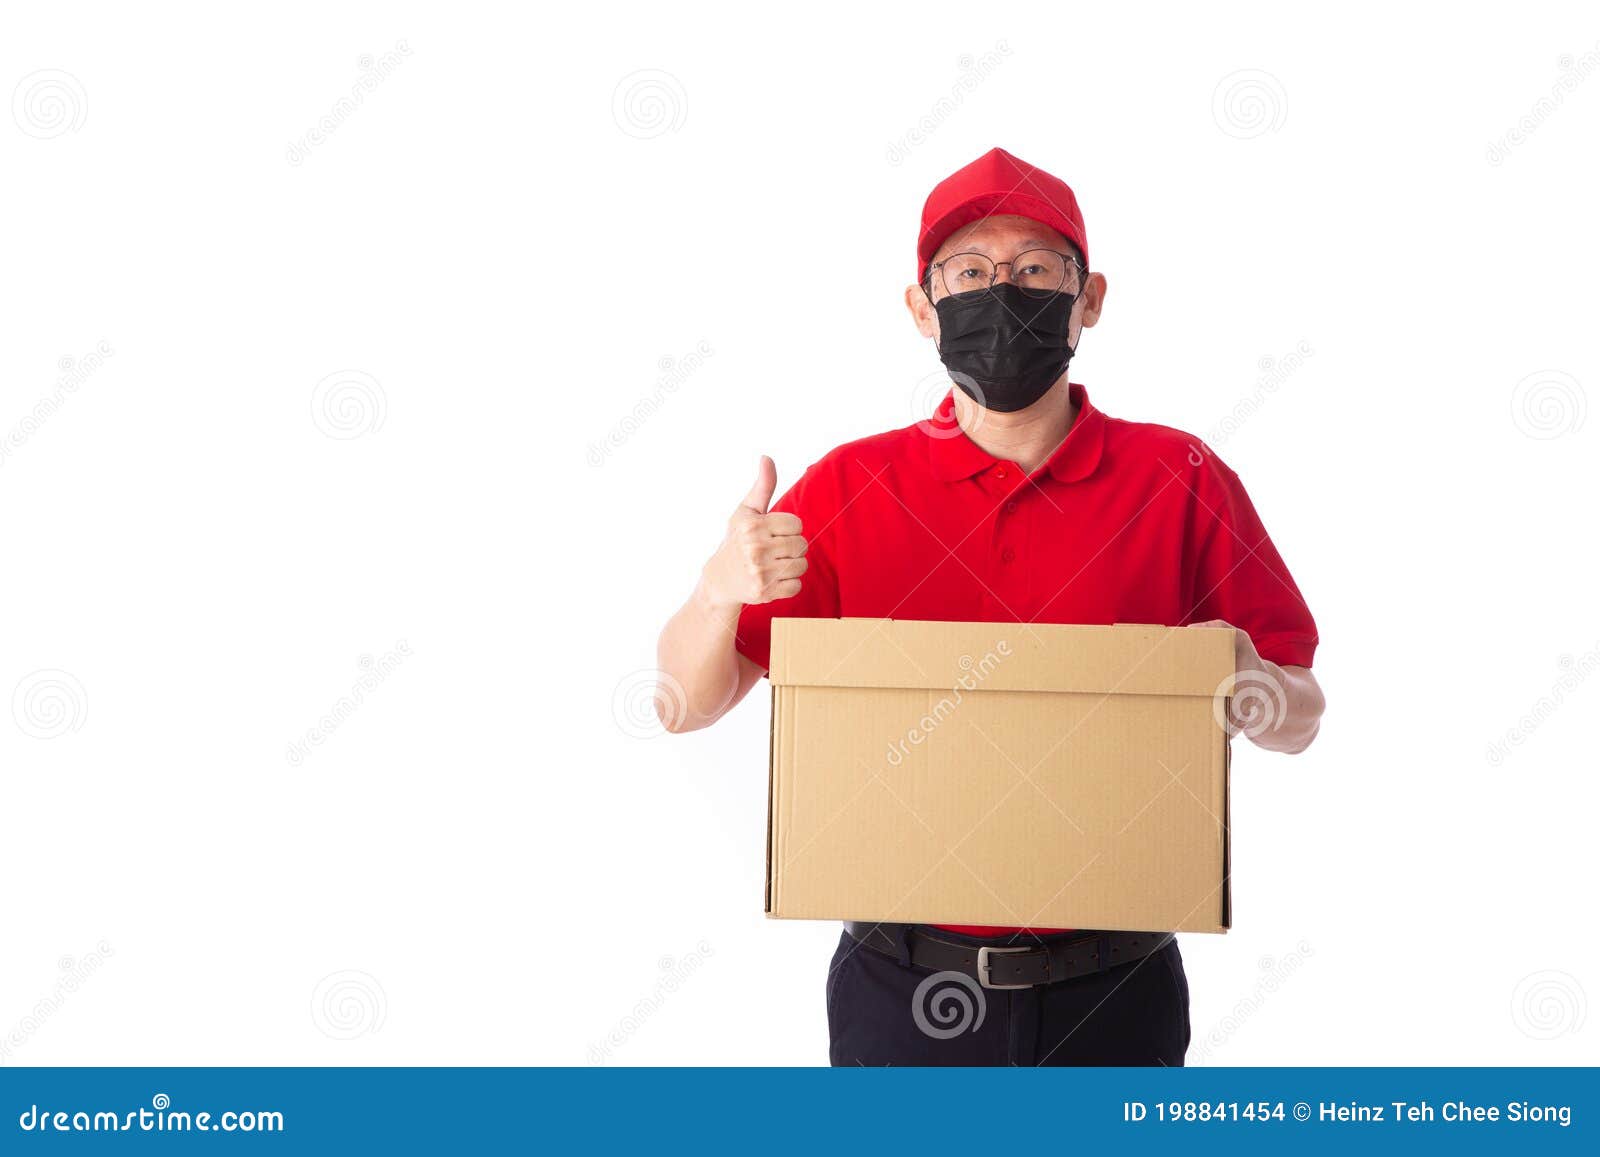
{"type": "Point", "coordinates": [519, 236]}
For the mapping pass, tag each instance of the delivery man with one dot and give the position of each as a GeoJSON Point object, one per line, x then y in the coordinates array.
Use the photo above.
{"type": "Point", "coordinates": [1017, 500]}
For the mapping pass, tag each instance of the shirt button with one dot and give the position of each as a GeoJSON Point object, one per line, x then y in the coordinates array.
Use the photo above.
{"type": "Point", "coordinates": [1001, 474]}
{"type": "Point", "coordinates": [1007, 555]}
{"type": "Point", "coordinates": [1011, 507]}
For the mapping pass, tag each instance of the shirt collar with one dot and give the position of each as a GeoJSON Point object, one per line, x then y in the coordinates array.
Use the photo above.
{"type": "Point", "coordinates": [954, 456]}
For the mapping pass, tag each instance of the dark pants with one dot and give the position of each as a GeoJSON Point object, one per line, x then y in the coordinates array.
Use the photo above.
{"type": "Point", "coordinates": [883, 1013]}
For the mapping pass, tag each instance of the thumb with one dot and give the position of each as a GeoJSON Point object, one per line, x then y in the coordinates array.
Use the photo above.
{"type": "Point", "coordinates": [760, 496]}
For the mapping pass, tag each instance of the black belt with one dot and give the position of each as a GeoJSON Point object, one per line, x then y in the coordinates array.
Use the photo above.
{"type": "Point", "coordinates": [1010, 965]}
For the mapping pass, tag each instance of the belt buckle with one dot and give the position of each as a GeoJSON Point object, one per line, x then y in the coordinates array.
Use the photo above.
{"type": "Point", "coordinates": [989, 950]}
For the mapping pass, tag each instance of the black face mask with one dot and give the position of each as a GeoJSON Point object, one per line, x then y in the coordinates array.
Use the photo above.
{"type": "Point", "coordinates": [1004, 346]}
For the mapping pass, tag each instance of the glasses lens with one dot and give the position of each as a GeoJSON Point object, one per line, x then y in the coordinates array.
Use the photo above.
{"type": "Point", "coordinates": [965, 272]}
{"type": "Point", "coordinates": [1044, 271]}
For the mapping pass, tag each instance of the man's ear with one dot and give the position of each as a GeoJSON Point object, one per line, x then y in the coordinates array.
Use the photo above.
{"type": "Point", "coordinates": [1094, 298]}
{"type": "Point", "coordinates": [922, 311]}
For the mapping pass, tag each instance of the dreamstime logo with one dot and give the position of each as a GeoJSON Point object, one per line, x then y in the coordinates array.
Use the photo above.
{"type": "Point", "coordinates": [74, 972]}
{"type": "Point", "coordinates": [674, 372]}
{"type": "Point", "coordinates": [348, 1004]}
{"type": "Point", "coordinates": [1249, 103]}
{"type": "Point", "coordinates": [347, 404]}
{"type": "Point", "coordinates": [373, 673]}
{"type": "Point", "coordinates": [49, 103]}
{"type": "Point", "coordinates": [648, 701]}
{"type": "Point", "coordinates": [1574, 71]}
{"type": "Point", "coordinates": [74, 372]}
{"type": "Point", "coordinates": [947, 1004]}
{"type": "Point", "coordinates": [1250, 702]}
{"type": "Point", "coordinates": [155, 1119]}
{"type": "Point", "coordinates": [374, 71]}
{"type": "Point", "coordinates": [48, 704]}
{"type": "Point", "coordinates": [1274, 372]}
{"type": "Point", "coordinates": [928, 394]}
{"type": "Point", "coordinates": [649, 103]}
{"type": "Point", "coordinates": [1274, 972]}
{"type": "Point", "coordinates": [1574, 671]}
{"type": "Point", "coordinates": [674, 974]}
{"type": "Point", "coordinates": [1548, 404]}
{"type": "Point", "coordinates": [974, 71]}
{"type": "Point", "coordinates": [1549, 1004]}
{"type": "Point", "coordinates": [973, 672]}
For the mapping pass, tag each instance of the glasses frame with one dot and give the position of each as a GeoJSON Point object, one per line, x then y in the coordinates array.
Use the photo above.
{"type": "Point", "coordinates": [938, 266]}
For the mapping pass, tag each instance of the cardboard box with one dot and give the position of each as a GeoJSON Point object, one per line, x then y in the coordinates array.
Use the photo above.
{"type": "Point", "coordinates": [1018, 774]}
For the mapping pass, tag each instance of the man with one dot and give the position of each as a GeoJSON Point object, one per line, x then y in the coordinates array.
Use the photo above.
{"type": "Point", "coordinates": [1017, 500]}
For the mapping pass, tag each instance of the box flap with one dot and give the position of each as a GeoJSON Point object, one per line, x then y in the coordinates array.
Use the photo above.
{"type": "Point", "coordinates": [1127, 659]}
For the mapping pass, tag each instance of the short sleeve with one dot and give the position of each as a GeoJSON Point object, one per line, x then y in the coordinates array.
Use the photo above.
{"type": "Point", "coordinates": [819, 586]}
{"type": "Point", "coordinates": [1239, 576]}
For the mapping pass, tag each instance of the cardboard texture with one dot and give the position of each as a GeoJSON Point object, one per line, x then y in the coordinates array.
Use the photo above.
{"type": "Point", "coordinates": [1016, 774]}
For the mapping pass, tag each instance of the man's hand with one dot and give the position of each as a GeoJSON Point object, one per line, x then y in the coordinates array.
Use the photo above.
{"type": "Point", "coordinates": [1278, 708]}
{"type": "Point", "coordinates": [763, 555]}
{"type": "Point", "coordinates": [701, 675]}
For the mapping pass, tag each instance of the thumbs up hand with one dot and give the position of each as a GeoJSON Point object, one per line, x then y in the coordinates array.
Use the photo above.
{"type": "Point", "coordinates": [763, 555]}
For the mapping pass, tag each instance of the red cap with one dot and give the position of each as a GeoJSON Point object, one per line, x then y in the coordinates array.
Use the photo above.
{"type": "Point", "coordinates": [994, 184]}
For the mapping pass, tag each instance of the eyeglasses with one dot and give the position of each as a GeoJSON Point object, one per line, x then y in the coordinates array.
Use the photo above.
{"type": "Point", "coordinates": [1037, 271]}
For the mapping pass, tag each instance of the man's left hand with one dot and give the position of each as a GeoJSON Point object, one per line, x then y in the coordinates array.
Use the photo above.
{"type": "Point", "coordinates": [1276, 707]}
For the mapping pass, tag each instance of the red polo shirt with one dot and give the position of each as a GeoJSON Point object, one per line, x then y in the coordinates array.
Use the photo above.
{"type": "Point", "coordinates": [1125, 522]}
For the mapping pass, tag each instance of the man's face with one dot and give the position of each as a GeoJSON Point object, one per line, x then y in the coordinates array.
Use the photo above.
{"type": "Point", "coordinates": [1001, 239]}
